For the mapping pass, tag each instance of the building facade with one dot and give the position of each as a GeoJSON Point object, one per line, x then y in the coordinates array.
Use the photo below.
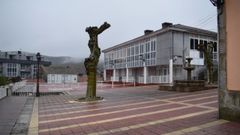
{"type": "Point", "coordinates": [159, 56]}
{"type": "Point", "coordinates": [20, 64]}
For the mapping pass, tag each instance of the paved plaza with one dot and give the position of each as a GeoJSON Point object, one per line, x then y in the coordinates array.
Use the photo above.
{"type": "Point", "coordinates": [141, 110]}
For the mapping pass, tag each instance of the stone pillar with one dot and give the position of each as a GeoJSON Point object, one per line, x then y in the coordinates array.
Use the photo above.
{"type": "Point", "coordinates": [144, 73]}
{"type": "Point", "coordinates": [104, 75]}
{"type": "Point", "coordinates": [127, 72]}
{"type": "Point", "coordinates": [170, 71]}
{"type": "Point", "coordinates": [114, 75]}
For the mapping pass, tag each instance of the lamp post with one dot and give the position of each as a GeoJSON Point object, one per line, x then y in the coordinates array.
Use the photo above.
{"type": "Point", "coordinates": [38, 55]}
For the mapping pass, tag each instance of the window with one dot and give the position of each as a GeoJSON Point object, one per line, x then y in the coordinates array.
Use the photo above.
{"type": "Point", "coordinates": [191, 43]}
{"type": "Point", "coordinates": [128, 51]}
{"type": "Point", "coordinates": [137, 49]}
{"type": "Point", "coordinates": [153, 46]}
{"type": "Point", "coordinates": [147, 47]}
{"type": "Point", "coordinates": [153, 55]}
{"type": "Point", "coordinates": [215, 47]}
{"type": "Point", "coordinates": [12, 70]}
{"type": "Point", "coordinates": [196, 44]}
{"type": "Point", "coordinates": [132, 50]}
{"type": "Point", "coordinates": [141, 48]}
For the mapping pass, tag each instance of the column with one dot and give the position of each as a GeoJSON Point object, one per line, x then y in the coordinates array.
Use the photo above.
{"type": "Point", "coordinates": [127, 72]}
{"type": "Point", "coordinates": [114, 74]}
{"type": "Point", "coordinates": [104, 75]}
{"type": "Point", "coordinates": [144, 73]}
{"type": "Point", "coordinates": [170, 71]}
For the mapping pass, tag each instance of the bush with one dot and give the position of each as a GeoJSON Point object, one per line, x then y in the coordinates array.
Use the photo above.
{"type": "Point", "coordinates": [4, 81]}
{"type": "Point", "coordinates": [16, 79]}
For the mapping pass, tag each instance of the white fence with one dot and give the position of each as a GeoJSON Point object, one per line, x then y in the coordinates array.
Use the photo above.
{"type": "Point", "coordinates": [155, 79]}
{"type": "Point", "coordinates": [150, 79]}
{"type": "Point", "coordinates": [11, 88]}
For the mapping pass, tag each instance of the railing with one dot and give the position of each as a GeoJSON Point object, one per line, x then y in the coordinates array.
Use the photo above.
{"type": "Point", "coordinates": [155, 79]}
{"type": "Point", "coordinates": [150, 79]}
{"type": "Point", "coordinates": [117, 79]}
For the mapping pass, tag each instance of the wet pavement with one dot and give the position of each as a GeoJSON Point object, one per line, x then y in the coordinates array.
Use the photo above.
{"type": "Point", "coordinates": [134, 111]}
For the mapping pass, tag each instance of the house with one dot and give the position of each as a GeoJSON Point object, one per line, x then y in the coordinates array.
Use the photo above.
{"type": "Point", "coordinates": [60, 74]}
{"type": "Point", "coordinates": [159, 56]}
{"type": "Point", "coordinates": [18, 63]}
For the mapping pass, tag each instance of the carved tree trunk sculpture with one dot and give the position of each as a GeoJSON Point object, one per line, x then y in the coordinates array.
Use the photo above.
{"type": "Point", "coordinates": [92, 61]}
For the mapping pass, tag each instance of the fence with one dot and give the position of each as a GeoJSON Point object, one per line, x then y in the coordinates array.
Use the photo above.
{"type": "Point", "coordinates": [150, 79]}
{"type": "Point", "coordinates": [155, 79]}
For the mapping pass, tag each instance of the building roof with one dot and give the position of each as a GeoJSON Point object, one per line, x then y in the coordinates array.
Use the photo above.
{"type": "Point", "coordinates": [62, 70]}
{"type": "Point", "coordinates": [170, 27]}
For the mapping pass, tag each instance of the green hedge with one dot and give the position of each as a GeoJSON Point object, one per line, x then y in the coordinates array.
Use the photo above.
{"type": "Point", "coordinates": [4, 81]}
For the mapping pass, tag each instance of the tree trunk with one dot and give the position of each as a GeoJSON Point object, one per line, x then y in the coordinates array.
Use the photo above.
{"type": "Point", "coordinates": [91, 83]}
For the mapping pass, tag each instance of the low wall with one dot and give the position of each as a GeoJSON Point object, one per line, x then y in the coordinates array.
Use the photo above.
{"type": "Point", "coordinates": [8, 89]}
{"type": "Point", "coordinates": [3, 91]}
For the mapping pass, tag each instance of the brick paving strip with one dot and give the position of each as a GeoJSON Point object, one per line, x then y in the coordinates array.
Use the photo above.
{"type": "Point", "coordinates": [151, 123]}
{"type": "Point", "coordinates": [135, 116]}
{"type": "Point", "coordinates": [138, 103]}
{"type": "Point", "coordinates": [167, 102]}
{"type": "Point", "coordinates": [57, 107]}
{"type": "Point", "coordinates": [197, 111]}
{"type": "Point", "coordinates": [119, 109]}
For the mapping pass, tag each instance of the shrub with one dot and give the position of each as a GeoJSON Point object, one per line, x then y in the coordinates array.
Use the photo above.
{"type": "Point", "coordinates": [4, 81]}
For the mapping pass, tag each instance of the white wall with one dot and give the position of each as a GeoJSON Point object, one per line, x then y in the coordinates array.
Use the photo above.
{"type": "Point", "coordinates": [61, 78]}
{"type": "Point", "coordinates": [196, 59]}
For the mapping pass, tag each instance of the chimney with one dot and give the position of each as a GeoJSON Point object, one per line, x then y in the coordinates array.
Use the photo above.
{"type": "Point", "coordinates": [166, 24]}
{"type": "Point", "coordinates": [146, 32]}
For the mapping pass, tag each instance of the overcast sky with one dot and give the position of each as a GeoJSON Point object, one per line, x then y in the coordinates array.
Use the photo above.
{"type": "Point", "coordinates": [57, 27]}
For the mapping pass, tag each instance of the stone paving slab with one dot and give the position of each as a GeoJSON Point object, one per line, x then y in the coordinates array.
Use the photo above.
{"type": "Point", "coordinates": [10, 110]}
{"type": "Point", "coordinates": [133, 111]}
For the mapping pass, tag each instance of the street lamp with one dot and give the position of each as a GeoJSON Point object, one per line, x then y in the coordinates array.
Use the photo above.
{"type": "Point", "coordinates": [38, 55]}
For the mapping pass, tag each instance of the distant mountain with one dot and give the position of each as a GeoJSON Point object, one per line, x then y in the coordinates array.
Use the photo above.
{"type": "Point", "coordinates": [69, 65]}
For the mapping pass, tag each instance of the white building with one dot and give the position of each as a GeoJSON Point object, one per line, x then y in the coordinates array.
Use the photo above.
{"type": "Point", "coordinates": [158, 56]}
{"type": "Point", "coordinates": [62, 78]}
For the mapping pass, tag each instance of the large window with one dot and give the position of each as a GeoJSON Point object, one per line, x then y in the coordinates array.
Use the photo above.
{"type": "Point", "coordinates": [191, 43]}
{"type": "Point", "coordinates": [12, 69]}
{"type": "Point", "coordinates": [195, 42]}
{"type": "Point", "coordinates": [130, 56]}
